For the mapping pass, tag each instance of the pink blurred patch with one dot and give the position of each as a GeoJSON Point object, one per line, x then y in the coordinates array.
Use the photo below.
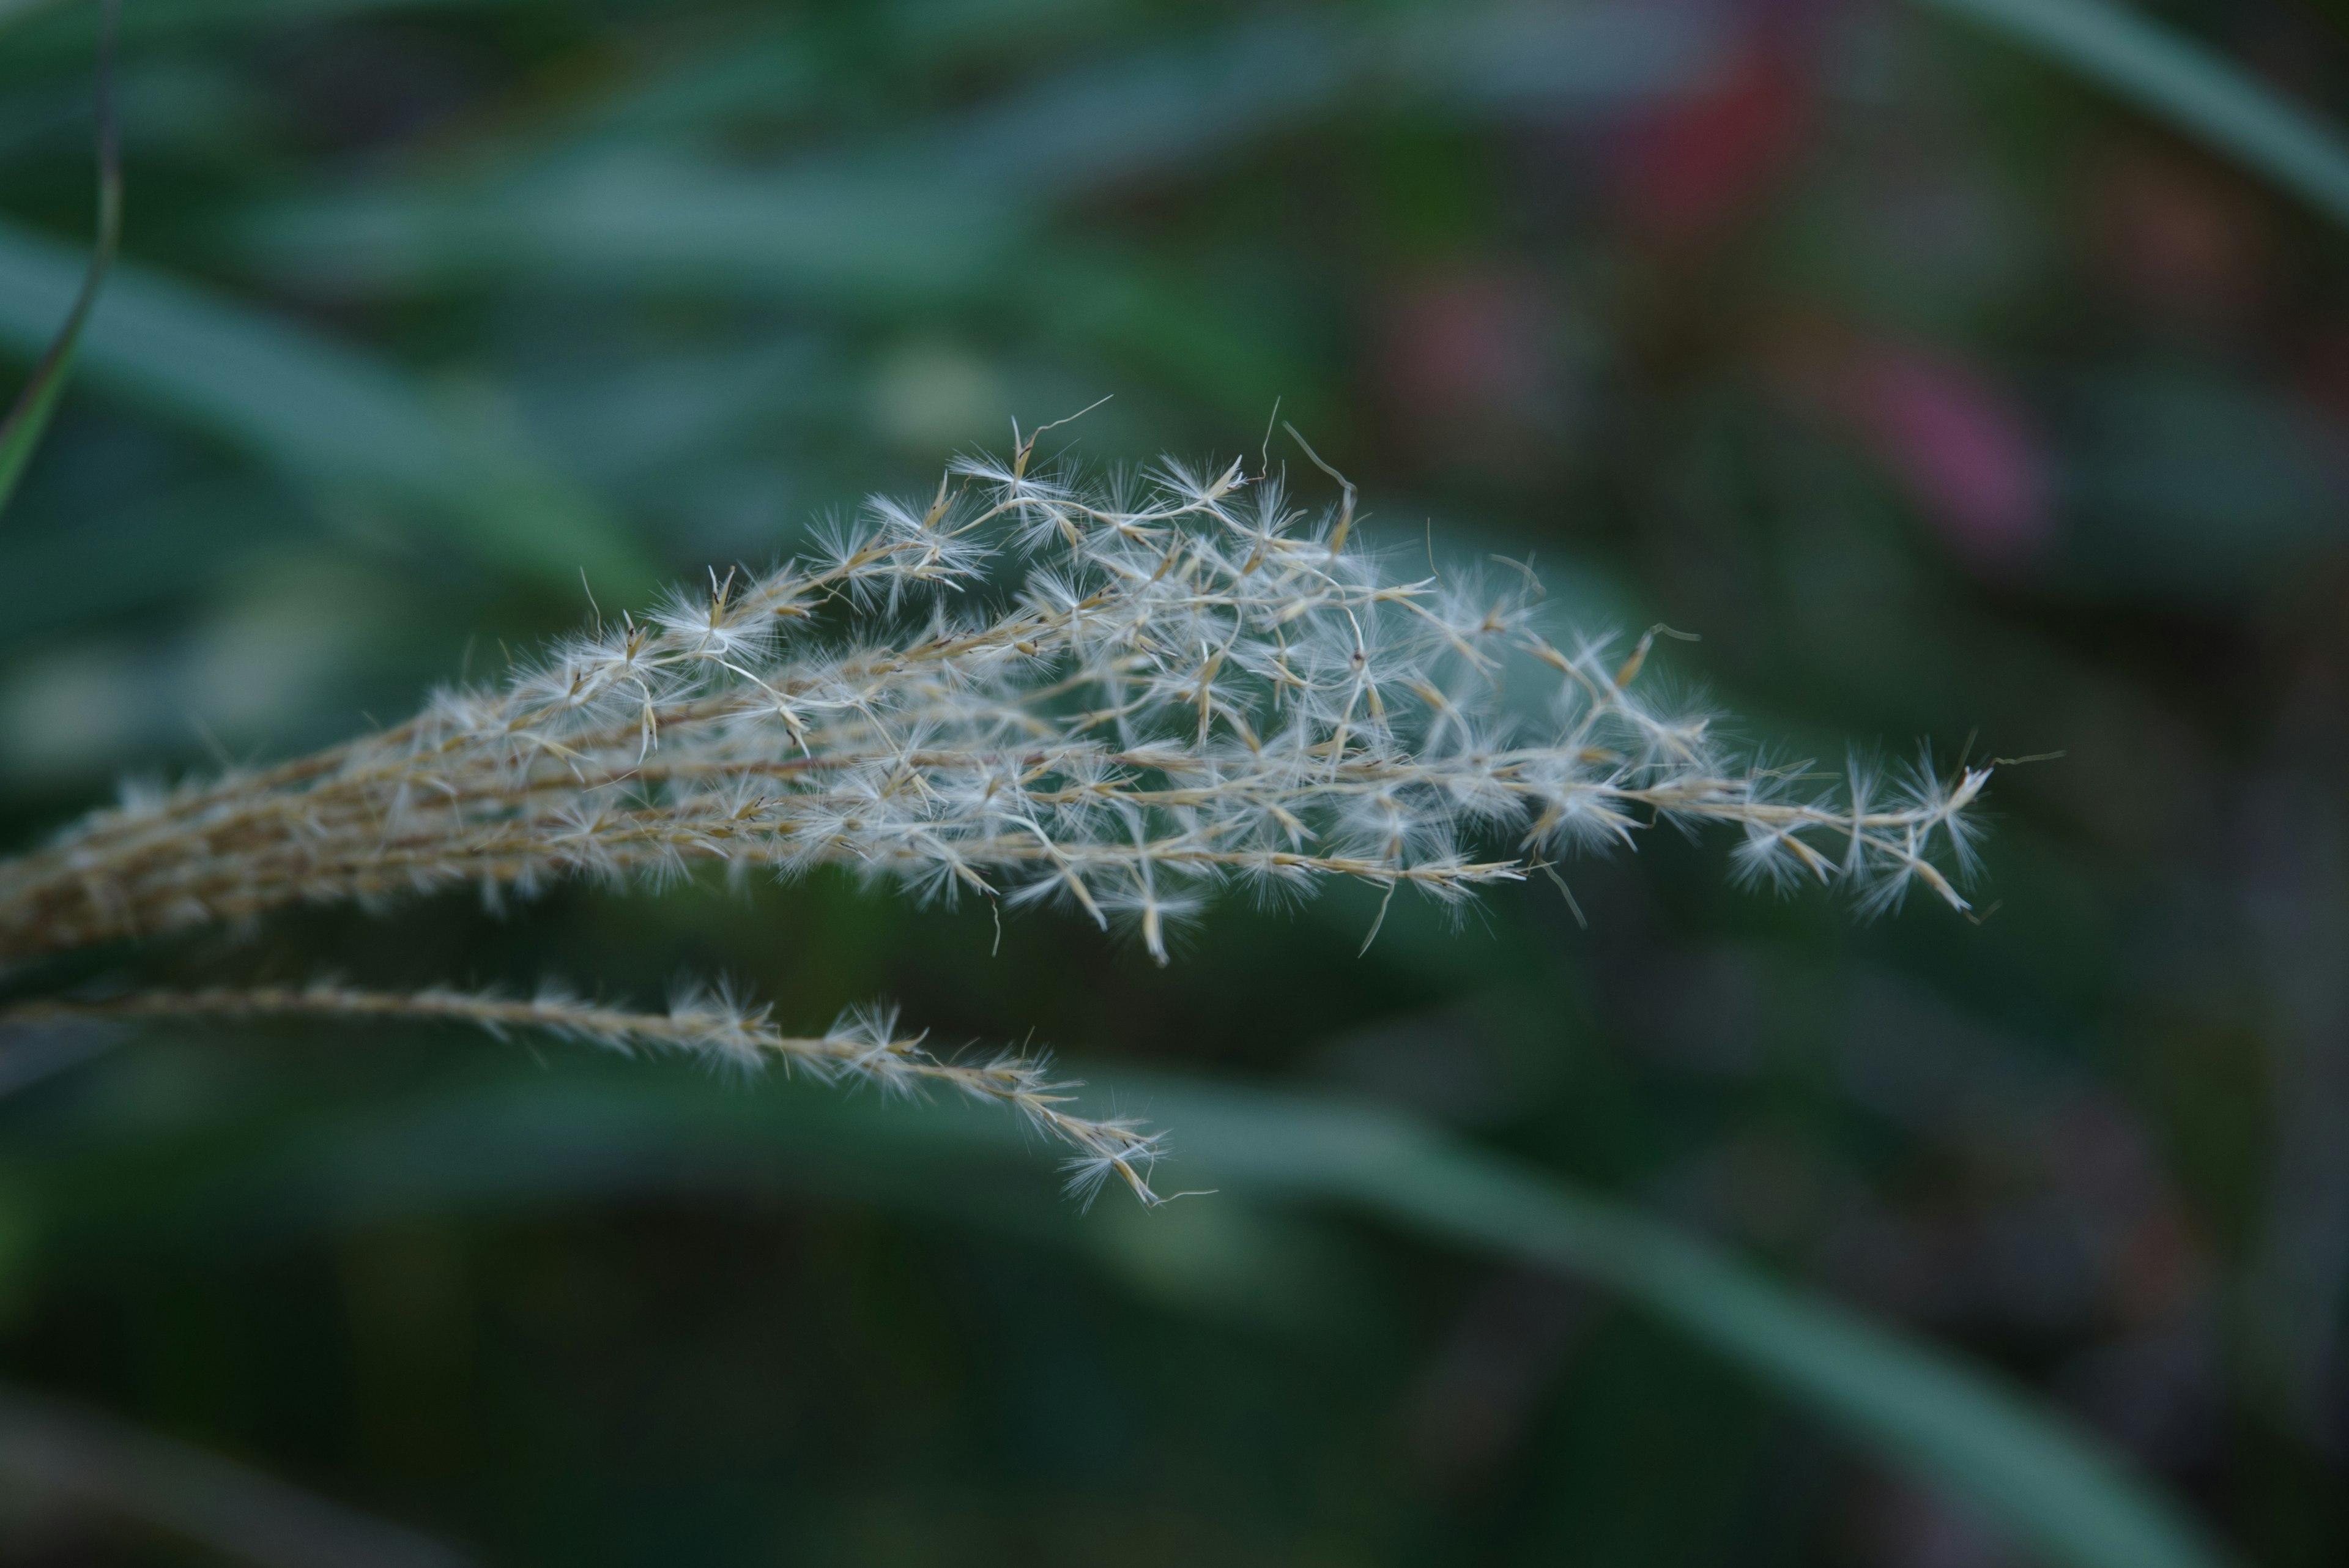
{"type": "Point", "coordinates": [1465, 346]}
{"type": "Point", "coordinates": [1956, 443]}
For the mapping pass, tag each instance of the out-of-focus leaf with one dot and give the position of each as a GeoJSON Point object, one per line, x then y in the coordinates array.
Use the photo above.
{"type": "Point", "coordinates": [950, 215]}
{"type": "Point", "coordinates": [591, 1132]}
{"type": "Point", "coordinates": [639, 218]}
{"type": "Point", "coordinates": [2170, 77]}
{"type": "Point", "coordinates": [918, 214]}
{"type": "Point", "coordinates": [933, 211]}
{"type": "Point", "coordinates": [323, 413]}
{"type": "Point", "coordinates": [1949, 1425]}
{"type": "Point", "coordinates": [1541, 59]}
{"type": "Point", "coordinates": [12, 10]}
{"type": "Point", "coordinates": [59, 22]}
{"type": "Point", "coordinates": [20, 432]}
{"type": "Point", "coordinates": [2189, 487]}
{"type": "Point", "coordinates": [78, 1459]}
{"type": "Point", "coordinates": [193, 538]}
{"type": "Point", "coordinates": [29, 1056]}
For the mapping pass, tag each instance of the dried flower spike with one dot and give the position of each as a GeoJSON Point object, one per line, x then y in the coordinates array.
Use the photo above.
{"type": "Point", "coordinates": [1187, 682]}
{"type": "Point", "coordinates": [862, 1047]}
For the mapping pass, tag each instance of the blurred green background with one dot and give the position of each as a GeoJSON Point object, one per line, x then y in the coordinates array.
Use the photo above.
{"type": "Point", "coordinates": [1954, 378]}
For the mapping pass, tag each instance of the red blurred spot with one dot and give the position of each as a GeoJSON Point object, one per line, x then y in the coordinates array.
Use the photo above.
{"type": "Point", "coordinates": [1696, 162]}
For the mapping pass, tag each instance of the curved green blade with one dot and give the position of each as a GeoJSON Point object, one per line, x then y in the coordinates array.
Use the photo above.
{"type": "Point", "coordinates": [322, 412]}
{"type": "Point", "coordinates": [2169, 77]}
{"type": "Point", "coordinates": [592, 1130]}
{"type": "Point", "coordinates": [28, 418]}
{"type": "Point", "coordinates": [67, 1456]}
{"type": "Point", "coordinates": [1948, 1425]}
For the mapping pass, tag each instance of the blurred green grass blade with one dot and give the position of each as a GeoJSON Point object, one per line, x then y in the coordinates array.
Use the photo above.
{"type": "Point", "coordinates": [918, 212]}
{"type": "Point", "coordinates": [953, 203]}
{"type": "Point", "coordinates": [194, 538]}
{"type": "Point", "coordinates": [955, 213]}
{"type": "Point", "coordinates": [322, 412]}
{"type": "Point", "coordinates": [74, 1458]}
{"type": "Point", "coordinates": [28, 418]}
{"type": "Point", "coordinates": [603, 1129]}
{"type": "Point", "coordinates": [12, 11]}
{"type": "Point", "coordinates": [2176, 81]}
{"type": "Point", "coordinates": [637, 219]}
{"type": "Point", "coordinates": [1946, 1424]}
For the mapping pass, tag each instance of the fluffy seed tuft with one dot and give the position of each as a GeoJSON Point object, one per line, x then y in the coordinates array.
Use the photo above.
{"type": "Point", "coordinates": [1185, 681]}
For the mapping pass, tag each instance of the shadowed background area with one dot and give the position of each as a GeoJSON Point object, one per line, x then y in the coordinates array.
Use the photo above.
{"type": "Point", "coordinates": [1967, 370]}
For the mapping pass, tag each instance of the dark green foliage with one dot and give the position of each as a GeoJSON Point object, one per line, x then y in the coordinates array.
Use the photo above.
{"type": "Point", "coordinates": [1948, 381]}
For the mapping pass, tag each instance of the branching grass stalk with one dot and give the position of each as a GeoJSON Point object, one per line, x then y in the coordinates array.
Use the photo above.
{"type": "Point", "coordinates": [1185, 683]}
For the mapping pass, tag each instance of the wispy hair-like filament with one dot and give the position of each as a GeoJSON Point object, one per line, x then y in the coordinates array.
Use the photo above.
{"type": "Point", "coordinates": [1120, 696]}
